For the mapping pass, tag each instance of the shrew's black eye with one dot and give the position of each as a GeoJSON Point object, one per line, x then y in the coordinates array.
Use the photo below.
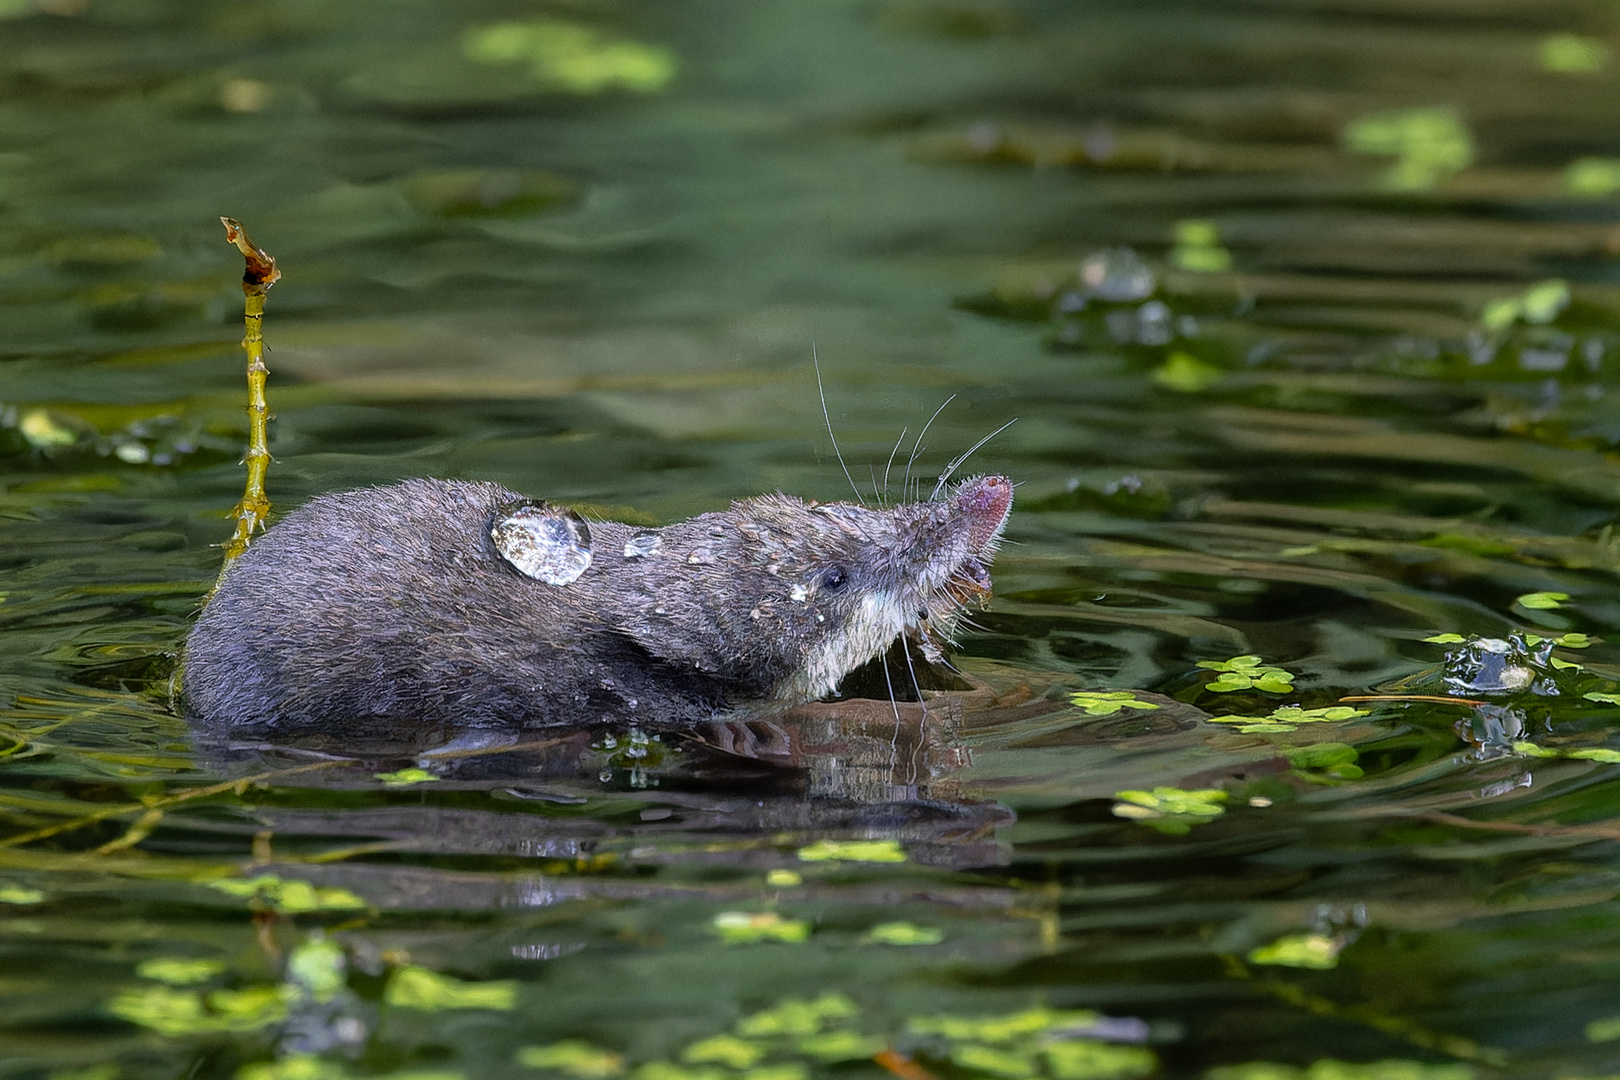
{"type": "Point", "coordinates": [833, 579]}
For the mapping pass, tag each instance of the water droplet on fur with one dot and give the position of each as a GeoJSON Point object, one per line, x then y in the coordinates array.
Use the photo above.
{"type": "Point", "coordinates": [606, 775]}
{"type": "Point", "coordinates": [642, 545]}
{"type": "Point", "coordinates": [700, 557]}
{"type": "Point", "coordinates": [799, 592]}
{"type": "Point", "coordinates": [543, 542]}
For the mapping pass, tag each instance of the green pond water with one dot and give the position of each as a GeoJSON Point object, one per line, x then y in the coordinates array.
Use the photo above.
{"type": "Point", "coordinates": [1307, 312]}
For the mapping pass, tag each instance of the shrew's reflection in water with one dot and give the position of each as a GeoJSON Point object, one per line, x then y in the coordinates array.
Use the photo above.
{"type": "Point", "coordinates": [855, 768]}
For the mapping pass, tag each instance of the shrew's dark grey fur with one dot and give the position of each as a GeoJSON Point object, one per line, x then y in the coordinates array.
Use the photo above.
{"type": "Point", "coordinates": [394, 604]}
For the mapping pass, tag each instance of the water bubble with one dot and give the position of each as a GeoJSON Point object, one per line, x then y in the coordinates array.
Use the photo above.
{"type": "Point", "coordinates": [1496, 665]}
{"type": "Point", "coordinates": [1118, 275]}
{"type": "Point", "coordinates": [1153, 323]}
{"type": "Point", "coordinates": [1592, 354]}
{"type": "Point", "coordinates": [985, 137]}
{"type": "Point", "coordinates": [1543, 359]}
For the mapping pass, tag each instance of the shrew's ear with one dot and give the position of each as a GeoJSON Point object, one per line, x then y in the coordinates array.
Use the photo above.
{"type": "Point", "coordinates": [548, 543]}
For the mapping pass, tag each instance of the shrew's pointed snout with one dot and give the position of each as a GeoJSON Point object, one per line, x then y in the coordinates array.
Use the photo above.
{"type": "Point", "coordinates": [984, 503]}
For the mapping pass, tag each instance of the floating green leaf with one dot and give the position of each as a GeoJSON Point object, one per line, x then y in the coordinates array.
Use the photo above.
{"type": "Point", "coordinates": [189, 1012]}
{"type": "Point", "coordinates": [20, 894]}
{"type": "Point", "coordinates": [1289, 717]}
{"type": "Point", "coordinates": [1430, 145]}
{"type": "Point", "coordinates": [1606, 699]}
{"type": "Point", "coordinates": [725, 1050]}
{"type": "Point", "coordinates": [904, 933]}
{"type": "Point", "coordinates": [413, 987]}
{"type": "Point", "coordinates": [1198, 248]}
{"type": "Point", "coordinates": [1186, 373]}
{"type": "Point", "coordinates": [746, 928]}
{"type": "Point", "coordinates": [293, 1067]}
{"type": "Point", "coordinates": [1006, 1028]}
{"type": "Point", "coordinates": [1604, 1030]}
{"type": "Point", "coordinates": [575, 1057]}
{"type": "Point", "coordinates": [1248, 673]}
{"type": "Point", "coordinates": [1196, 232]}
{"type": "Point", "coordinates": [668, 1070]}
{"type": "Point", "coordinates": [289, 896]}
{"type": "Point", "coordinates": [1575, 641]}
{"type": "Point", "coordinates": [1300, 950]}
{"type": "Point", "coordinates": [571, 57]}
{"type": "Point", "coordinates": [317, 965]}
{"type": "Point", "coordinates": [797, 1017]}
{"type": "Point", "coordinates": [1593, 177]}
{"type": "Point", "coordinates": [1572, 54]}
{"type": "Point", "coordinates": [1329, 1069]}
{"type": "Point", "coordinates": [1335, 759]}
{"type": "Point", "coordinates": [784, 879]}
{"type": "Point", "coordinates": [1170, 810]}
{"type": "Point", "coordinates": [44, 432]}
{"type": "Point", "coordinates": [1108, 702]}
{"type": "Point", "coordinates": [834, 1046]}
{"type": "Point", "coordinates": [105, 1071]}
{"type": "Point", "coordinates": [875, 851]}
{"type": "Point", "coordinates": [1596, 753]}
{"type": "Point", "coordinates": [177, 971]}
{"type": "Point", "coordinates": [994, 1060]}
{"type": "Point", "coordinates": [786, 1070]}
{"type": "Point", "coordinates": [1541, 303]}
{"type": "Point", "coordinates": [1090, 1059]}
{"type": "Point", "coordinates": [1446, 639]}
{"type": "Point", "coordinates": [406, 777]}
{"type": "Point", "coordinates": [1542, 601]}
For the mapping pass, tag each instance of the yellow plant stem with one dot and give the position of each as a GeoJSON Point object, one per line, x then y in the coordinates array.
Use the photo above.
{"type": "Point", "coordinates": [258, 275]}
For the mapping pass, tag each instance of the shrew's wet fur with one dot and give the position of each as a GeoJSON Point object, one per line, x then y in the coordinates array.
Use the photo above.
{"type": "Point", "coordinates": [393, 603]}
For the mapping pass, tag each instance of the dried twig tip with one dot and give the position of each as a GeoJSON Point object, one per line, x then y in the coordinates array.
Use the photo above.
{"type": "Point", "coordinates": [260, 271]}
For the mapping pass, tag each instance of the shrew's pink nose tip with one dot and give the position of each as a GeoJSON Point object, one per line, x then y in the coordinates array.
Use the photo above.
{"type": "Point", "coordinates": [986, 501]}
